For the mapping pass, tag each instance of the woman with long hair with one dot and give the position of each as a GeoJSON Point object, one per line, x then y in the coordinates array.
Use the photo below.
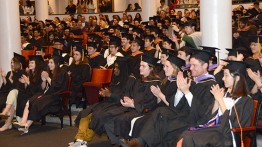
{"type": "Point", "coordinates": [54, 80]}
{"type": "Point", "coordinates": [233, 108]}
{"type": "Point", "coordinates": [12, 81]}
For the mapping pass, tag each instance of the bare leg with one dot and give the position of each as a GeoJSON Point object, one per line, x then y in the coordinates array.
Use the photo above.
{"type": "Point", "coordinates": [6, 109]}
{"type": "Point", "coordinates": [8, 120]}
{"type": "Point", "coordinates": [25, 115]}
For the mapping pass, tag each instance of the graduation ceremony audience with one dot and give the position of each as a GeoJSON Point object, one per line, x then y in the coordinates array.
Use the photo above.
{"type": "Point", "coordinates": [166, 88]}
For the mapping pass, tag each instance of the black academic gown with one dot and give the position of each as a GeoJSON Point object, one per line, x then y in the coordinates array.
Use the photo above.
{"type": "Point", "coordinates": [221, 135]}
{"type": "Point", "coordinates": [134, 63]}
{"type": "Point", "coordinates": [79, 73]}
{"type": "Point", "coordinates": [165, 126]}
{"type": "Point", "coordinates": [96, 61]}
{"type": "Point", "coordinates": [6, 88]}
{"type": "Point", "coordinates": [144, 101]}
{"type": "Point", "coordinates": [101, 116]}
{"type": "Point", "coordinates": [169, 90]}
{"type": "Point", "coordinates": [23, 95]}
{"type": "Point", "coordinates": [41, 103]}
{"type": "Point", "coordinates": [150, 52]}
{"type": "Point", "coordinates": [116, 88]}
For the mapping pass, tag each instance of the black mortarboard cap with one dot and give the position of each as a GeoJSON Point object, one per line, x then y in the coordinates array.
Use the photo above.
{"type": "Point", "coordinates": [201, 55]}
{"type": "Point", "coordinates": [124, 30]}
{"type": "Point", "coordinates": [190, 23]}
{"type": "Point", "coordinates": [36, 58]}
{"type": "Point", "coordinates": [138, 30]}
{"type": "Point", "coordinates": [156, 30]}
{"type": "Point", "coordinates": [126, 23]}
{"type": "Point", "coordinates": [116, 40]}
{"type": "Point", "coordinates": [144, 23]}
{"type": "Point", "coordinates": [234, 52]}
{"type": "Point", "coordinates": [236, 67]}
{"type": "Point", "coordinates": [49, 20]}
{"type": "Point", "coordinates": [150, 37]}
{"type": "Point", "coordinates": [177, 61]}
{"type": "Point", "coordinates": [127, 36]}
{"type": "Point", "coordinates": [212, 50]}
{"type": "Point", "coordinates": [168, 51]}
{"type": "Point", "coordinates": [255, 39]}
{"type": "Point", "coordinates": [140, 42]}
{"type": "Point", "coordinates": [20, 58]}
{"type": "Point", "coordinates": [59, 40]}
{"type": "Point", "coordinates": [149, 59]}
{"type": "Point", "coordinates": [58, 58]}
{"type": "Point", "coordinates": [92, 44]}
{"type": "Point", "coordinates": [253, 64]}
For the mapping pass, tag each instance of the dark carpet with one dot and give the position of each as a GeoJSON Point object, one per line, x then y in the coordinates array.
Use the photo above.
{"type": "Point", "coordinates": [50, 135]}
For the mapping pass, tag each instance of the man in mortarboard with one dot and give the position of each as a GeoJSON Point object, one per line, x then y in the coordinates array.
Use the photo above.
{"type": "Point", "coordinates": [149, 50]}
{"type": "Point", "coordinates": [135, 58]}
{"type": "Point", "coordinates": [25, 45]}
{"type": "Point", "coordinates": [126, 44]}
{"type": "Point", "coordinates": [157, 33]}
{"type": "Point", "coordinates": [94, 57]}
{"type": "Point", "coordinates": [37, 40]}
{"type": "Point", "coordinates": [113, 51]}
{"type": "Point", "coordinates": [191, 38]}
{"type": "Point", "coordinates": [255, 46]}
{"type": "Point", "coordinates": [58, 46]}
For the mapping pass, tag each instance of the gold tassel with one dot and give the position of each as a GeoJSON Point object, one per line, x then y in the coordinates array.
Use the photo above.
{"type": "Point", "coordinates": [259, 45]}
{"type": "Point", "coordinates": [83, 55]}
{"type": "Point", "coordinates": [71, 51]}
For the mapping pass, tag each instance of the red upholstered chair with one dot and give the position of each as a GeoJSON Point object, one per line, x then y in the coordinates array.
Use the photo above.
{"type": "Point", "coordinates": [249, 133]}
{"type": "Point", "coordinates": [100, 78]}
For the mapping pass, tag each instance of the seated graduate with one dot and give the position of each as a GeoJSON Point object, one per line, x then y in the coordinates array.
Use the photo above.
{"type": "Point", "coordinates": [112, 96]}
{"type": "Point", "coordinates": [12, 80]}
{"type": "Point", "coordinates": [149, 50]}
{"type": "Point", "coordinates": [232, 109]}
{"type": "Point", "coordinates": [255, 46]}
{"type": "Point", "coordinates": [25, 45]}
{"type": "Point", "coordinates": [53, 81]}
{"type": "Point", "coordinates": [126, 44]}
{"type": "Point", "coordinates": [163, 129]}
{"type": "Point", "coordinates": [165, 92]}
{"type": "Point", "coordinates": [185, 54]}
{"type": "Point", "coordinates": [32, 83]}
{"type": "Point", "coordinates": [112, 52]}
{"type": "Point", "coordinates": [137, 101]}
{"type": "Point", "coordinates": [94, 57]}
{"type": "Point", "coordinates": [80, 72]}
{"type": "Point", "coordinates": [135, 58]}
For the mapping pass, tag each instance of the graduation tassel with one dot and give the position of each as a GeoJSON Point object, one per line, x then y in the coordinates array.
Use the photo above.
{"type": "Point", "coordinates": [83, 55]}
{"type": "Point", "coordinates": [71, 51]}
{"type": "Point", "coordinates": [259, 45]}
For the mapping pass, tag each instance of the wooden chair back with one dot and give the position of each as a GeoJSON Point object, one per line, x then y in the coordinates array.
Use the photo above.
{"type": "Point", "coordinates": [27, 53]}
{"type": "Point", "coordinates": [101, 75]}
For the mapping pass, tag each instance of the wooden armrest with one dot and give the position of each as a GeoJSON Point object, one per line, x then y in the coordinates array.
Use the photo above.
{"type": "Point", "coordinates": [253, 128]}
